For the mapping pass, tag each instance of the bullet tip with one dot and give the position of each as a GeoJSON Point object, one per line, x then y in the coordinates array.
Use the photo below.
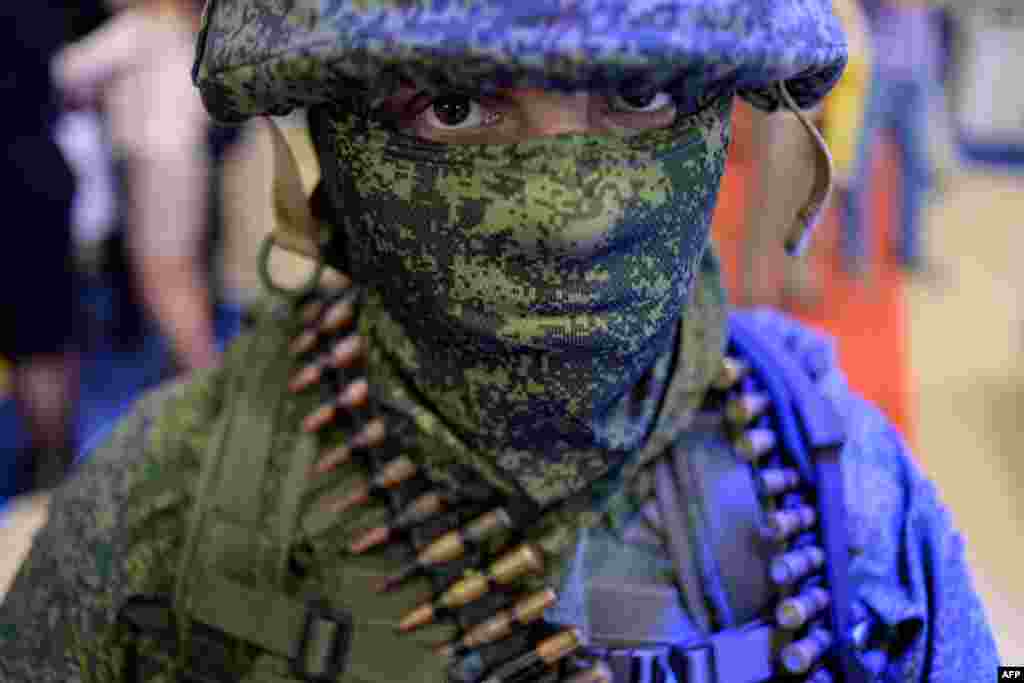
{"type": "Point", "coordinates": [422, 615]}
{"type": "Point", "coordinates": [371, 539]}
{"type": "Point", "coordinates": [350, 501]}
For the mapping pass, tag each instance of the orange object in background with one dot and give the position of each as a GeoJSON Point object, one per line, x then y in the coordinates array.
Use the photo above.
{"type": "Point", "coordinates": [868, 318]}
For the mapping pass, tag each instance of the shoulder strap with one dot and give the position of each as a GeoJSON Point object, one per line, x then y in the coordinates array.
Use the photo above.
{"type": "Point", "coordinates": [813, 434]}
{"type": "Point", "coordinates": [241, 448]}
{"type": "Point", "coordinates": [233, 567]}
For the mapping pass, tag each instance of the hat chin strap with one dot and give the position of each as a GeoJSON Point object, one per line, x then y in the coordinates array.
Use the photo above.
{"type": "Point", "coordinates": [295, 227]}
{"type": "Point", "coordinates": [809, 215]}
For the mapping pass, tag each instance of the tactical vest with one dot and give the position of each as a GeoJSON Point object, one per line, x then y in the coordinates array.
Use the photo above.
{"type": "Point", "coordinates": [478, 548]}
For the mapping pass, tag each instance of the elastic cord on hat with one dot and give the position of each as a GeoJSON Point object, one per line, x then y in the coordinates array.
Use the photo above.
{"type": "Point", "coordinates": [807, 218]}
{"type": "Point", "coordinates": [295, 227]}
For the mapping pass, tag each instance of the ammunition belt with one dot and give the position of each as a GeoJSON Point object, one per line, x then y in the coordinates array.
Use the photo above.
{"type": "Point", "coordinates": [467, 539]}
{"type": "Point", "coordinates": [798, 643]}
{"type": "Point", "coordinates": [473, 542]}
{"type": "Point", "coordinates": [779, 422]}
{"type": "Point", "coordinates": [503, 633]}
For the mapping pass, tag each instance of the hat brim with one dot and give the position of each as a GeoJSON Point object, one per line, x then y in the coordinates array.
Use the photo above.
{"type": "Point", "coordinates": [268, 56]}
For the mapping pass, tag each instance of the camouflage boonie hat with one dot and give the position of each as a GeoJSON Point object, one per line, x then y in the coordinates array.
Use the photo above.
{"type": "Point", "coordinates": [268, 56]}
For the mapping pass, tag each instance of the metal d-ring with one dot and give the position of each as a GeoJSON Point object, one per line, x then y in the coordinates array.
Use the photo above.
{"type": "Point", "coordinates": [269, 242]}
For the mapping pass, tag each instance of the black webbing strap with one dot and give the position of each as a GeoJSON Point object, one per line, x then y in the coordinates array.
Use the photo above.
{"type": "Point", "coordinates": [832, 512]}
{"type": "Point", "coordinates": [673, 514]}
{"type": "Point", "coordinates": [737, 655]}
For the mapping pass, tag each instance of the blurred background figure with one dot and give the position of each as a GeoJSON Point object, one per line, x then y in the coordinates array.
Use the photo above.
{"type": "Point", "coordinates": [782, 152]}
{"type": "Point", "coordinates": [131, 280]}
{"type": "Point", "coordinates": [986, 40]}
{"type": "Point", "coordinates": [37, 284]}
{"type": "Point", "coordinates": [136, 69]}
{"type": "Point", "coordinates": [903, 99]}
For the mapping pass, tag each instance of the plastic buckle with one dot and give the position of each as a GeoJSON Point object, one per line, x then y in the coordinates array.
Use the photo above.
{"type": "Point", "coordinates": [337, 655]}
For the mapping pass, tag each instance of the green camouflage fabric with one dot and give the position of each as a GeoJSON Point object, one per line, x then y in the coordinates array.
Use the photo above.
{"type": "Point", "coordinates": [524, 300]}
{"type": "Point", "coordinates": [118, 526]}
{"type": "Point", "coordinates": [267, 56]}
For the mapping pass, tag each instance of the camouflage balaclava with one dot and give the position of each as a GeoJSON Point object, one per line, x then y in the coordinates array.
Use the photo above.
{"type": "Point", "coordinates": [528, 301]}
{"type": "Point", "coordinates": [528, 293]}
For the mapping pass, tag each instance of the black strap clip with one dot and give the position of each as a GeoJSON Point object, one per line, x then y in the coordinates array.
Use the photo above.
{"type": "Point", "coordinates": [695, 663]}
{"type": "Point", "coordinates": [330, 666]}
{"type": "Point", "coordinates": [735, 655]}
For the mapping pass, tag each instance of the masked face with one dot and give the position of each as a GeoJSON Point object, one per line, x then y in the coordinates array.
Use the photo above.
{"type": "Point", "coordinates": [527, 281]}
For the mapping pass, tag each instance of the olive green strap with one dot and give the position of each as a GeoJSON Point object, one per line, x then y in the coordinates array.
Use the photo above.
{"type": "Point", "coordinates": [273, 621]}
{"type": "Point", "coordinates": [207, 479]}
{"type": "Point", "coordinates": [258, 408]}
{"type": "Point", "coordinates": [230, 519]}
{"type": "Point", "coordinates": [232, 478]}
{"type": "Point", "coordinates": [295, 484]}
{"type": "Point", "coordinates": [257, 402]}
{"type": "Point", "coordinates": [245, 486]}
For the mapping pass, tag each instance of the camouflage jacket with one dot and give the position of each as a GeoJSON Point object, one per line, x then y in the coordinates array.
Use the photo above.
{"type": "Point", "coordinates": [55, 623]}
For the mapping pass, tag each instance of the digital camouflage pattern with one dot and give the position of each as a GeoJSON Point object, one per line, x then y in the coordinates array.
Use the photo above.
{"type": "Point", "coordinates": [524, 299]}
{"type": "Point", "coordinates": [118, 529]}
{"type": "Point", "coordinates": [118, 526]}
{"type": "Point", "coordinates": [268, 56]}
{"type": "Point", "coordinates": [547, 313]}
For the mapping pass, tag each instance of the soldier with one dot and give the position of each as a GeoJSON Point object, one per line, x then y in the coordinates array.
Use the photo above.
{"type": "Point", "coordinates": [522, 439]}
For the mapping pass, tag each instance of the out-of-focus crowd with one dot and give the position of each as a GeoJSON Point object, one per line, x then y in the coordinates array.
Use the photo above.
{"type": "Point", "coordinates": [113, 166]}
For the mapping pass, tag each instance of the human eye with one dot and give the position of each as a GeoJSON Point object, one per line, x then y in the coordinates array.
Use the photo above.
{"type": "Point", "coordinates": [447, 117]}
{"type": "Point", "coordinates": [456, 112]}
{"type": "Point", "coordinates": [645, 103]}
{"type": "Point", "coordinates": [455, 118]}
{"type": "Point", "coordinates": [628, 113]}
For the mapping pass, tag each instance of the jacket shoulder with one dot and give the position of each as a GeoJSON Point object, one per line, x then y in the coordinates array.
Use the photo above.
{"type": "Point", "coordinates": [60, 608]}
{"type": "Point", "coordinates": [908, 563]}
